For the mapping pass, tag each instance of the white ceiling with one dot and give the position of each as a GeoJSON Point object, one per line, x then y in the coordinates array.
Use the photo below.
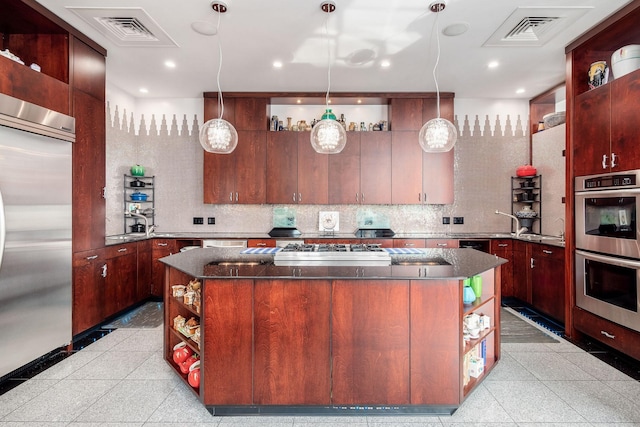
{"type": "Point", "coordinates": [255, 33]}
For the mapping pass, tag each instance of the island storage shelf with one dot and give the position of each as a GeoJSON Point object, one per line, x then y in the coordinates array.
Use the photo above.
{"type": "Point", "coordinates": [387, 343]}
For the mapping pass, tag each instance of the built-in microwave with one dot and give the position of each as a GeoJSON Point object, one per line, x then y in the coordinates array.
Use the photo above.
{"type": "Point", "coordinates": [606, 208]}
{"type": "Point", "coordinates": [608, 287]}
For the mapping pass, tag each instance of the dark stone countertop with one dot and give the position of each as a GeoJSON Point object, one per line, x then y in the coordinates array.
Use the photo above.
{"type": "Point", "coordinates": [230, 263]}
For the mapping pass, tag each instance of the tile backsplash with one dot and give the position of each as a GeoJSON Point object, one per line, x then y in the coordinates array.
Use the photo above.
{"type": "Point", "coordinates": [486, 156]}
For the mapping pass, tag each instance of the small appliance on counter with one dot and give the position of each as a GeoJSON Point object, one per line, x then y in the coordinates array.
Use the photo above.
{"type": "Point", "coordinates": [372, 224]}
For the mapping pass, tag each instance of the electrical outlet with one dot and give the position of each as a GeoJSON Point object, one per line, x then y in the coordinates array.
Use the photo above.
{"type": "Point", "coordinates": [458, 220]}
{"type": "Point", "coordinates": [211, 220]}
{"type": "Point", "coordinates": [198, 220]}
{"type": "Point", "coordinates": [446, 220]}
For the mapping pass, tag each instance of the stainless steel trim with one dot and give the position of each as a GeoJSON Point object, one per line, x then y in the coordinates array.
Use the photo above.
{"type": "Point", "coordinates": [23, 115]}
{"type": "Point", "coordinates": [611, 312]}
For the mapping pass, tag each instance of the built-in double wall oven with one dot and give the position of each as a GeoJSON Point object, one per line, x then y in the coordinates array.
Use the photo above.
{"type": "Point", "coordinates": [608, 246]}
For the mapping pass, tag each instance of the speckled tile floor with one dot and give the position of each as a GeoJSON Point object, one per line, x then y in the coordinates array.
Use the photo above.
{"type": "Point", "coordinates": [121, 380]}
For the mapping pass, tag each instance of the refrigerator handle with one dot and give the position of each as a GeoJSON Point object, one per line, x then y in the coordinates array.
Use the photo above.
{"type": "Point", "coordinates": [3, 229]}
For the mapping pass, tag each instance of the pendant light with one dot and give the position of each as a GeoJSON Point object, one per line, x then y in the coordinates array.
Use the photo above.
{"type": "Point", "coordinates": [437, 135]}
{"type": "Point", "coordinates": [328, 136]}
{"type": "Point", "coordinates": [218, 135]}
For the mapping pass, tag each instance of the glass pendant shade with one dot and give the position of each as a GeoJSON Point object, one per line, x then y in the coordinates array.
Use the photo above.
{"type": "Point", "coordinates": [438, 136]}
{"type": "Point", "coordinates": [328, 136]}
{"type": "Point", "coordinates": [218, 136]}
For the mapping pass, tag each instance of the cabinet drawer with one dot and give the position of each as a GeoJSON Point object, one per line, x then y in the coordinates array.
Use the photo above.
{"type": "Point", "coordinates": [547, 251]}
{"type": "Point", "coordinates": [81, 258]}
{"type": "Point", "coordinates": [409, 243]}
{"type": "Point", "coordinates": [611, 334]}
{"type": "Point", "coordinates": [442, 243]}
{"type": "Point", "coordinates": [120, 250]}
{"type": "Point", "coordinates": [261, 243]}
{"type": "Point", "coordinates": [501, 246]}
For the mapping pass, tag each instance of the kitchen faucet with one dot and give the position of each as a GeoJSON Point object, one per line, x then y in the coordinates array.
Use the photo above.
{"type": "Point", "coordinates": [519, 231]}
{"type": "Point", "coordinates": [561, 231]}
{"type": "Point", "coordinates": [146, 221]}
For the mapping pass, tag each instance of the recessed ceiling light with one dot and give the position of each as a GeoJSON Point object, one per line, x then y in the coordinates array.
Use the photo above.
{"type": "Point", "coordinates": [299, 101]}
{"type": "Point", "coordinates": [277, 64]}
{"type": "Point", "coordinates": [144, 90]}
{"type": "Point", "coordinates": [359, 101]}
{"type": "Point", "coordinates": [385, 64]}
{"type": "Point", "coordinates": [455, 29]}
{"type": "Point", "coordinates": [169, 64]}
{"type": "Point", "coordinates": [519, 91]}
{"type": "Point", "coordinates": [493, 64]}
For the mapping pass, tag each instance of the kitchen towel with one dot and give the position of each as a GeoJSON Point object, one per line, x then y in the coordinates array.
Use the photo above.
{"type": "Point", "coordinates": [404, 250]}
{"type": "Point", "coordinates": [260, 250]}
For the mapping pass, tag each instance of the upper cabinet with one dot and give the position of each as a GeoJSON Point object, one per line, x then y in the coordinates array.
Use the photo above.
{"type": "Point", "coordinates": [603, 121]}
{"type": "Point", "coordinates": [381, 165]}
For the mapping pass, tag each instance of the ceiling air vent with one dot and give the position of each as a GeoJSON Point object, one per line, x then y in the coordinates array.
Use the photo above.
{"type": "Point", "coordinates": [129, 26]}
{"type": "Point", "coordinates": [534, 26]}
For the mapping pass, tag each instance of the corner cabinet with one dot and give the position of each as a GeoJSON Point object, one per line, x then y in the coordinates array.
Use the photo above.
{"type": "Point", "coordinates": [376, 167]}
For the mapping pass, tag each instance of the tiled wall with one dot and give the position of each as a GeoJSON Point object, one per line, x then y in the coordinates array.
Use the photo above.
{"type": "Point", "coordinates": [486, 156]}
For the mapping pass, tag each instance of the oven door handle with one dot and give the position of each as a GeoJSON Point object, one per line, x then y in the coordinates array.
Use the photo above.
{"type": "Point", "coordinates": [609, 259]}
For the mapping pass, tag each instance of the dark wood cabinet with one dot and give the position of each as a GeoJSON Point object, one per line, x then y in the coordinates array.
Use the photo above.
{"type": "Point", "coordinates": [160, 248]}
{"type": "Point", "coordinates": [239, 177]}
{"type": "Point", "coordinates": [503, 248]}
{"type": "Point", "coordinates": [592, 132]}
{"type": "Point", "coordinates": [145, 264]}
{"type": "Point", "coordinates": [521, 268]}
{"type": "Point", "coordinates": [442, 243]}
{"type": "Point", "coordinates": [375, 168]}
{"type": "Point", "coordinates": [616, 336]}
{"type": "Point", "coordinates": [344, 173]}
{"type": "Point", "coordinates": [625, 104]}
{"type": "Point", "coordinates": [370, 342]}
{"type": "Point", "coordinates": [89, 271]}
{"type": "Point", "coordinates": [547, 280]}
{"type": "Point", "coordinates": [406, 168]}
{"type": "Point", "coordinates": [409, 243]}
{"type": "Point", "coordinates": [301, 174]}
{"type": "Point", "coordinates": [291, 342]}
{"type": "Point", "coordinates": [121, 278]}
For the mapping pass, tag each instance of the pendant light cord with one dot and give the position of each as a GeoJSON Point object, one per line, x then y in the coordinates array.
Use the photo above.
{"type": "Point", "coordinates": [326, 34]}
{"type": "Point", "coordinates": [435, 67]}
{"type": "Point", "coordinates": [220, 101]}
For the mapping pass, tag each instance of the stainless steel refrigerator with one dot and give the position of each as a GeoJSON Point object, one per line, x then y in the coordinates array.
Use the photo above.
{"type": "Point", "coordinates": [35, 232]}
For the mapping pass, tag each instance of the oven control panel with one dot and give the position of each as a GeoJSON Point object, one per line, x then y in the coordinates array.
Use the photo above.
{"type": "Point", "coordinates": [600, 182]}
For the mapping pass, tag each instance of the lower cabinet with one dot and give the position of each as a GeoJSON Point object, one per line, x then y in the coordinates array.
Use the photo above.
{"type": "Point", "coordinates": [160, 249]}
{"type": "Point", "coordinates": [503, 248]}
{"type": "Point", "coordinates": [89, 273]}
{"type": "Point", "coordinates": [622, 339]}
{"type": "Point", "coordinates": [121, 278]}
{"type": "Point", "coordinates": [547, 280]}
{"type": "Point", "coordinates": [521, 269]}
{"type": "Point", "coordinates": [143, 286]}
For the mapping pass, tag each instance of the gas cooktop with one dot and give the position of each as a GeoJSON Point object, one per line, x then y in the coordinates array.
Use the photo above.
{"type": "Point", "coordinates": [332, 254]}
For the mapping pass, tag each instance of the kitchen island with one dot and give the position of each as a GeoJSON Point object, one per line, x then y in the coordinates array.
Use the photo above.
{"type": "Point", "coordinates": [334, 339]}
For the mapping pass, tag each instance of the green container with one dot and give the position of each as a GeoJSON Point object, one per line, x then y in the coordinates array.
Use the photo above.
{"type": "Point", "coordinates": [328, 115]}
{"type": "Point", "coordinates": [476, 285]}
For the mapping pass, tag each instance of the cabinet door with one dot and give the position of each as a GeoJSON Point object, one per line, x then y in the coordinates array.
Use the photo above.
{"type": "Point", "coordinates": [521, 267]}
{"type": "Point", "coordinates": [160, 249]}
{"type": "Point", "coordinates": [292, 363]}
{"type": "Point", "coordinates": [344, 173]}
{"type": "Point", "coordinates": [547, 280]}
{"type": "Point", "coordinates": [375, 168]}
{"type": "Point", "coordinates": [219, 178]}
{"type": "Point", "coordinates": [370, 338]}
{"type": "Point", "coordinates": [406, 168]}
{"type": "Point", "coordinates": [503, 248]}
{"type": "Point", "coordinates": [121, 280]}
{"type": "Point", "coordinates": [143, 287]}
{"type": "Point", "coordinates": [313, 173]}
{"type": "Point", "coordinates": [251, 167]}
{"type": "Point", "coordinates": [625, 104]}
{"type": "Point", "coordinates": [591, 132]}
{"type": "Point", "coordinates": [88, 290]}
{"type": "Point", "coordinates": [282, 163]}
{"type": "Point", "coordinates": [88, 173]}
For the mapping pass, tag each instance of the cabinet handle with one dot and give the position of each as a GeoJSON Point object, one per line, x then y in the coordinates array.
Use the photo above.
{"type": "Point", "coordinates": [236, 196]}
{"type": "Point", "coordinates": [293, 197]}
{"type": "Point", "coordinates": [231, 196]}
{"type": "Point", "coordinates": [104, 270]}
{"type": "Point", "coordinates": [613, 160]}
{"type": "Point", "coordinates": [104, 192]}
{"type": "Point", "coordinates": [533, 263]}
{"type": "Point", "coordinates": [163, 244]}
{"type": "Point", "coordinates": [608, 335]}
{"type": "Point", "coordinates": [261, 244]}
{"type": "Point", "coordinates": [420, 197]}
{"type": "Point", "coordinates": [362, 197]}
{"type": "Point", "coordinates": [503, 245]}
{"type": "Point", "coordinates": [299, 197]}
{"type": "Point", "coordinates": [443, 244]}
{"type": "Point", "coordinates": [424, 199]}
{"type": "Point", "coordinates": [122, 250]}
{"type": "Point", "coordinates": [604, 161]}
{"type": "Point", "coordinates": [547, 251]}
{"type": "Point", "coordinates": [410, 244]}
{"type": "Point", "coordinates": [92, 257]}
{"type": "Point", "coordinates": [357, 197]}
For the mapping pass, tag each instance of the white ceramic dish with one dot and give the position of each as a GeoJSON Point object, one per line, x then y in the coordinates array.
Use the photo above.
{"type": "Point", "coordinates": [625, 60]}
